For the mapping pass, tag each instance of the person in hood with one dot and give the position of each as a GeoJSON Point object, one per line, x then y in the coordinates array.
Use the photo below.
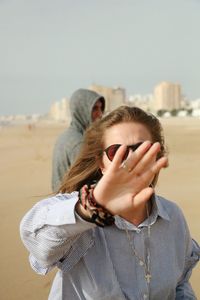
{"type": "Point", "coordinates": [86, 107]}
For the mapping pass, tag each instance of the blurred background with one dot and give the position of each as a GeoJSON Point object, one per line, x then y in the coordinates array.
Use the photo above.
{"type": "Point", "coordinates": [143, 53]}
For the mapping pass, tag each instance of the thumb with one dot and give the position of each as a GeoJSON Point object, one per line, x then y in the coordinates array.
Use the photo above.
{"type": "Point", "coordinates": [143, 196]}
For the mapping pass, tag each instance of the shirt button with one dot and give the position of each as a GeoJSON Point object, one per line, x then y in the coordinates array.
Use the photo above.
{"type": "Point", "coordinates": [145, 296]}
{"type": "Point", "coordinates": [141, 263]}
{"type": "Point", "coordinates": [138, 230]}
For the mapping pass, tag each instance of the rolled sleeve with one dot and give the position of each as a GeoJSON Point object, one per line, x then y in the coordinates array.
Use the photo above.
{"type": "Point", "coordinates": [184, 289]}
{"type": "Point", "coordinates": [62, 212]}
{"type": "Point", "coordinates": [50, 229]}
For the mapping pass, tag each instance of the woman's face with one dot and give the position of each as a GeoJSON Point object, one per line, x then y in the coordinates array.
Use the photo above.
{"type": "Point", "coordinates": [129, 133]}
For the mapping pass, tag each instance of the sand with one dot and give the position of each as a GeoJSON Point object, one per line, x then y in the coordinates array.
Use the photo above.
{"type": "Point", "coordinates": [25, 176]}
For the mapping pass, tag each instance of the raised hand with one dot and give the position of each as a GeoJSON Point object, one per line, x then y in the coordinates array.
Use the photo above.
{"type": "Point", "coordinates": [124, 187]}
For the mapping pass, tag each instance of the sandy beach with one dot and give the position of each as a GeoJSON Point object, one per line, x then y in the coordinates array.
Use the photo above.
{"type": "Point", "coordinates": [25, 177]}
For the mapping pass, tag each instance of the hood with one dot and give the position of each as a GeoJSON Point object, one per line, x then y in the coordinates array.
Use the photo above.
{"type": "Point", "coordinates": [81, 104]}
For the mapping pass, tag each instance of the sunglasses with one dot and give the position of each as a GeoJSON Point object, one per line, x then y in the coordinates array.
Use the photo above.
{"type": "Point", "coordinates": [112, 149]}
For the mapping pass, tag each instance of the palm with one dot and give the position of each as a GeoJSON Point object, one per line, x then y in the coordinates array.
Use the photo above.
{"type": "Point", "coordinates": [119, 190]}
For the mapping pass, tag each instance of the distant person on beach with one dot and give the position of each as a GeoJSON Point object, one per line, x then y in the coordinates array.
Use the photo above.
{"type": "Point", "coordinates": [85, 106]}
{"type": "Point", "coordinates": [107, 231]}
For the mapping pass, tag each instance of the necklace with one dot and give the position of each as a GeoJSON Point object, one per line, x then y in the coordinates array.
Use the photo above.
{"type": "Point", "coordinates": [142, 262]}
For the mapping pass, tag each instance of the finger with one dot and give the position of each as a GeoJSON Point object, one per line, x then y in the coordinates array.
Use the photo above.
{"type": "Point", "coordinates": [117, 161]}
{"type": "Point", "coordinates": [135, 157]}
{"type": "Point", "coordinates": [143, 196]}
{"type": "Point", "coordinates": [148, 159]}
{"type": "Point", "coordinates": [148, 176]}
{"type": "Point", "coordinates": [159, 164]}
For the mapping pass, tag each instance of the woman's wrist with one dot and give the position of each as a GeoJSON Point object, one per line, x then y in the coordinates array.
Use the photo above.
{"type": "Point", "coordinates": [91, 210]}
{"type": "Point", "coordinates": [82, 212]}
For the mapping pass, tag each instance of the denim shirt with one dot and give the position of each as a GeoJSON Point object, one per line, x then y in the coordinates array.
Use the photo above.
{"type": "Point", "coordinates": [98, 263]}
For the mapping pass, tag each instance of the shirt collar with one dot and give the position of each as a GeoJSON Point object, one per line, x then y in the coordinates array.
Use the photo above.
{"type": "Point", "coordinates": [158, 210]}
{"type": "Point", "coordinates": [161, 209]}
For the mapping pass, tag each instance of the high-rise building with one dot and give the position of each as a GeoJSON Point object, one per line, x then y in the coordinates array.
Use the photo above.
{"type": "Point", "coordinates": [59, 110]}
{"type": "Point", "coordinates": [115, 97]}
{"type": "Point", "coordinates": [167, 96]}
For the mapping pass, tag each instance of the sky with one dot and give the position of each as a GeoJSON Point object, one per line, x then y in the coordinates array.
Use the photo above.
{"type": "Point", "coordinates": [49, 48]}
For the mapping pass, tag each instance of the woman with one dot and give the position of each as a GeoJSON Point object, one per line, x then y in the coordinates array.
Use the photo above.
{"type": "Point", "coordinates": [107, 231]}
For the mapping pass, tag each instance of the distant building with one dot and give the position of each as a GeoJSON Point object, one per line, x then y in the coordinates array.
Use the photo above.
{"type": "Point", "coordinates": [167, 96]}
{"type": "Point", "coordinates": [59, 110]}
{"type": "Point", "coordinates": [115, 97]}
{"type": "Point", "coordinates": [144, 102]}
{"type": "Point", "coordinates": [195, 104]}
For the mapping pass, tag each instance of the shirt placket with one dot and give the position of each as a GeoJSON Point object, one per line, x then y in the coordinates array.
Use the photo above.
{"type": "Point", "coordinates": [141, 243]}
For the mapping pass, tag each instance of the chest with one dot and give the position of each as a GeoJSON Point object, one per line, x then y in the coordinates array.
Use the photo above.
{"type": "Point", "coordinates": [110, 269]}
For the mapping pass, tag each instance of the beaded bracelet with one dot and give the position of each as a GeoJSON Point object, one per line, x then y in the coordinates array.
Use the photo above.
{"type": "Point", "coordinates": [97, 214]}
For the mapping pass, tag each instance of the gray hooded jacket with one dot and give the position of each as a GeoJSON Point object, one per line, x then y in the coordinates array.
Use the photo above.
{"type": "Point", "coordinates": [69, 142]}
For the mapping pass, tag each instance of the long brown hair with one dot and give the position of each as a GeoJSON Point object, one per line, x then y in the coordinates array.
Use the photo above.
{"type": "Point", "coordinates": [86, 167]}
